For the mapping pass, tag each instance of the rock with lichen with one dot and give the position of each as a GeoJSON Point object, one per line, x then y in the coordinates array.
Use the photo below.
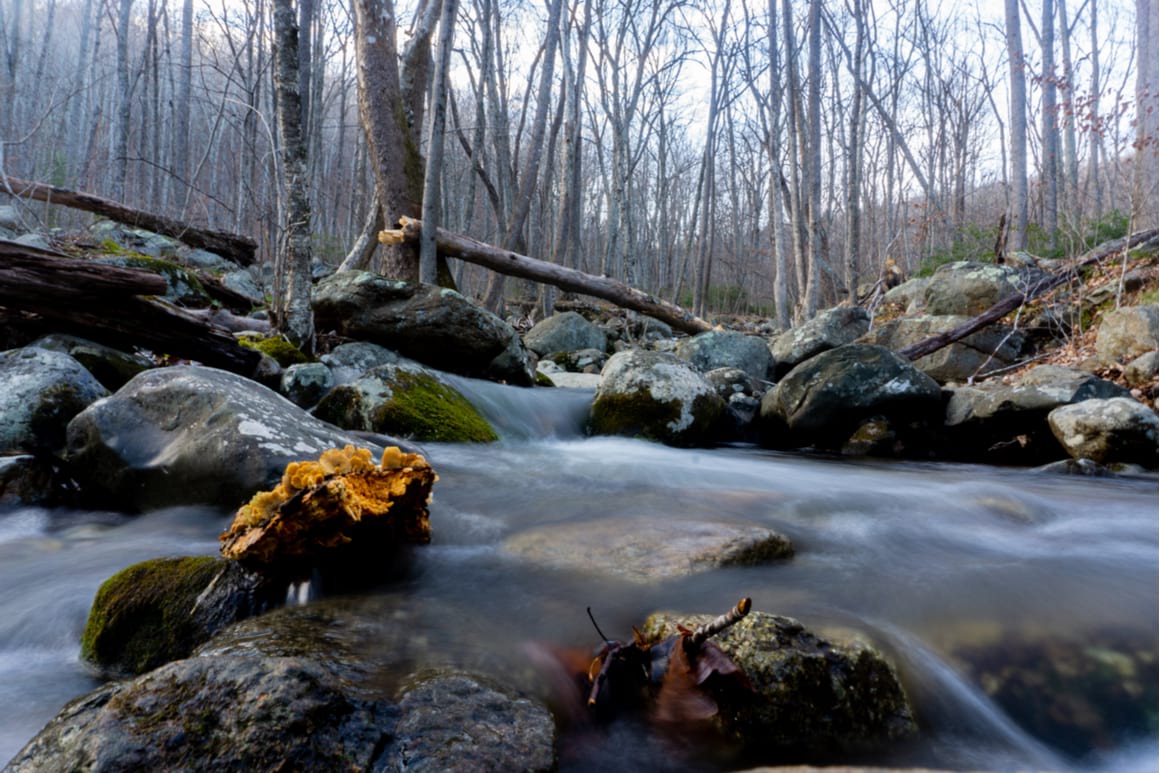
{"type": "Point", "coordinates": [325, 511]}
{"type": "Point", "coordinates": [40, 392]}
{"type": "Point", "coordinates": [812, 694]}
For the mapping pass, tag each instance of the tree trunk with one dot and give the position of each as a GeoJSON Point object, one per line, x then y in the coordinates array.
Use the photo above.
{"type": "Point", "coordinates": [1018, 93]}
{"type": "Point", "coordinates": [814, 167]}
{"type": "Point", "coordinates": [1050, 171]}
{"type": "Point", "coordinates": [1144, 189]}
{"type": "Point", "coordinates": [428, 262]}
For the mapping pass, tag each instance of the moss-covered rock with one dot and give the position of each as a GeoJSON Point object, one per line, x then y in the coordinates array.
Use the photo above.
{"type": "Point", "coordinates": [159, 610]}
{"type": "Point", "coordinates": [277, 348]}
{"type": "Point", "coordinates": [407, 401]}
{"type": "Point", "coordinates": [183, 285]}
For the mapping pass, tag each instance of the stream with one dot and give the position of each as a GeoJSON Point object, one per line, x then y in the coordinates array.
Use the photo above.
{"type": "Point", "coordinates": [962, 574]}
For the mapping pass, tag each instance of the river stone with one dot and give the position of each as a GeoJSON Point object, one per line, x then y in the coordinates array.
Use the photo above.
{"type": "Point", "coordinates": [827, 398]}
{"type": "Point", "coordinates": [193, 435]}
{"type": "Point", "coordinates": [564, 332]}
{"type": "Point", "coordinates": [1128, 332]}
{"type": "Point", "coordinates": [727, 349]}
{"type": "Point", "coordinates": [215, 713]}
{"type": "Point", "coordinates": [459, 722]}
{"type": "Point", "coordinates": [1116, 430]}
{"type": "Point", "coordinates": [656, 396]}
{"type": "Point", "coordinates": [648, 550]}
{"type": "Point", "coordinates": [969, 288]}
{"type": "Point", "coordinates": [993, 347]}
{"type": "Point", "coordinates": [27, 480]}
{"type": "Point", "coordinates": [159, 610]}
{"type": "Point", "coordinates": [305, 383]}
{"type": "Point", "coordinates": [828, 330]}
{"type": "Point", "coordinates": [563, 378]}
{"type": "Point", "coordinates": [349, 361]}
{"type": "Point", "coordinates": [590, 361]}
{"type": "Point", "coordinates": [40, 392]}
{"type": "Point", "coordinates": [742, 395]}
{"type": "Point", "coordinates": [433, 325]}
{"type": "Point", "coordinates": [112, 367]}
{"type": "Point", "coordinates": [408, 401]}
{"type": "Point", "coordinates": [813, 694]}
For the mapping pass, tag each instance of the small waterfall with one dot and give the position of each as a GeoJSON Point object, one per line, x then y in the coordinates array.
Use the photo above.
{"type": "Point", "coordinates": [527, 413]}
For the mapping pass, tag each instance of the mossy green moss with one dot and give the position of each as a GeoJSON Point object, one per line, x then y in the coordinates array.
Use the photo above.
{"type": "Point", "coordinates": [544, 380]}
{"type": "Point", "coordinates": [276, 348]}
{"type": "Point", "coordinates": [142, 616]}
{"type": "Point", "coordinates": [425, 409]}
{"type": "Point", "coordinates": [639, 414]}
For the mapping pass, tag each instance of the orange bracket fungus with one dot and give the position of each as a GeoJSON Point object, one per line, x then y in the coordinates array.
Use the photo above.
{"type": "Point", "coordinates": [320, 507]}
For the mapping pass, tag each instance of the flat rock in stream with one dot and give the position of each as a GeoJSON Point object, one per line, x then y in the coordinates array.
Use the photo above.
{"type": "Point", "coordinates": [649, 550]}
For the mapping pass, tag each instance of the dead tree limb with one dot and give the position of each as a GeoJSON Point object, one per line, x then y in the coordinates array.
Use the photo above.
{"type": "Point", "coordinates": [1015, 300]}
{"type": "Point", "coordinates": [503, 261]}
{"type": "Point", "coordinates": [240, 249]}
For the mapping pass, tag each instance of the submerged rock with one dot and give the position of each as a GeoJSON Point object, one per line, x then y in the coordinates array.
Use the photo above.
{"type": "Point", "coordinates": [649, 550]}
{"type": "Point", "coordinates": [40, 392]}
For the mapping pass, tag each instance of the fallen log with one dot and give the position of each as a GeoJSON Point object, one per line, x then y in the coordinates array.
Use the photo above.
{"type": "Point", "coordinates": [1015, 300]}
{"type": "Point", "coordinates": [240, 249]}
{"type": "Point", "coordinates": [455, 245]}
{"type": "Point", "coordinates": [113, 306]}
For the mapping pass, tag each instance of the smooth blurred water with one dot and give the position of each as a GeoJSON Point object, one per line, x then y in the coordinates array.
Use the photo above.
{"type": "Point", "coordinates": [925, 559]}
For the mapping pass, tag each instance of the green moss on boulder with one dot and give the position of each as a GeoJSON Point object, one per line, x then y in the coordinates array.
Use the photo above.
{"type": "Point", "coordinates": [276, 348]}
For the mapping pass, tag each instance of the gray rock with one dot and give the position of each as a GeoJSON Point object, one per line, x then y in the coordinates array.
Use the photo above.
{"type": "Point", "coordinates": [204, 259]}
{"type": "Point", "coordinates": [191, 434]}
{"type": "Point", "coordinates": [813, 694]}
{"type": "Point", "coordinates": [968, 288]}
{"type": "Point", "coordinates": [564, 332]}
{"type": "Point", "coordinates": [242, 282]}
{"type": "Point", "coordinates": [305, 383]}
{"type": "Point", "coordinates": [579, 361]}
{"type": "Point", "coordinates": [656, 396]}
{"type": "Point", "coordinates": [828, 330]}
{"type": "Point", "coordinates": [28, 480]}
{"type": "Point", "coordinates": [182, 286]}
{"type": "Point", "coordinates": [827, 398]}
{"type": "Point", "coordinates": [910, 294]}
{"type": "Point", "coordinates": [112, 367]}
{"type": "Point", "coordinates": [647, 551]}
{"type": "Point", "coordinates": [40, 392]}
{"type": "Point", "coordinates": [727, 349]}
{"type": "Point", "coordinates": [219, 713]}
{"type": "Point", "coordinates": [1128, 332]}
{"type": "Point", "coordinates": [986, 350]}
{"type": "Point", "coordinates": [434, 325]}
{"type": "Point", "coordinates": [562, 378]}
{"type": "Point", "coordinates": [34, 240]}
{"type": "Point", "coordinates": [742, 395]}
{"type": "Point", "coordinates": [1116, 430]}
{"type": "Point", "coordinates": [349, 361]}
{"type": "Point", "coordinates": [10, 219]}
{"type": "Point", "coordinates": [1142, 370]}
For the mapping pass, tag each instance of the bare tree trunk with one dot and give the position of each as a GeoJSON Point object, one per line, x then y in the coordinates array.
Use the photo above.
{"type": "Point", "coordinates": [814, 168]}
{"type": "Point", "coordinates": [124, 104]}
{"type": "Point", "coordinates": [1050, 161]}
{"type": "Point", "coordinates": [1017, 86]}
{"type": "Point", "coordinates": [854, 158]}
{"type": "Point", "coordinates": [294, 316]}
{"type": "Point", "coordinates": [1093, 174]}
{"type": "Point", "coordinates": [428, 262]}
{"type": "Point", "coordinates": [776, 207]}
{"type": "Point", "coordinates": [1144, 189]}
{"type": "Point", "coordinates": [1067, 115]}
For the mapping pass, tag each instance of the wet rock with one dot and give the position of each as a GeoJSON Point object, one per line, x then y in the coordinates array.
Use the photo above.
{"type": "Point", "coordinates": [159, 610]}
{"type": "Point", "coordinates": [1128, 332]}
{"type": "Point", "coordinates": [1081, 467]}
{"type": "Point", "coordinates": [112, 367]}
{"type": "Point", "coordinates": [813, 694]}
{"type": "Point", "coordinates": [590, 361]}
{"type": "Point", "coordinates": [647, 551]}
{"type": "Point", "coordinates": [405, 400]}
{"type": "Point", "coordinates": [827, 398]}
{"type": "Point", "coordinates": [457, 721]}
{"type": "Point", "coordinates": [190, 435]}
{"type": "Point", "coordinates": [29, 480]}
{"type": "Point", "coordinates": [989, 349]}
{"type": "Point", "coordinates": [433, 325]}
{"type": "Point", "coordinates": [969, 288]}
{"type": "Point", "coordinates": [305, 383]}
{"type": "Point", "coordinates": [215, 713]}
{"type": "Point", "coordinates": [656, 396]}
{"type": "Point", "coordinates": [40, 392]}
{"type": "Point", "coordinates": [727, 349]}
{"type": "Point", "coordinates": [1118, 429]}
{"type": "Point", "coordinates": [742, 394]}
{"type": "Point", "coordinates": [565, 332]}
{"type": "Point", "coordinates": [349, 361]}
{"type": "Point", "coordinates": [830, 329]}
{"type": "Point", "coordinates": [562, 378]}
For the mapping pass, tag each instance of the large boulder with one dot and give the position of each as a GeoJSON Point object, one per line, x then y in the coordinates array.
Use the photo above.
{"type": "Point", "coordinates": [159, 610]}
{"type": "Point", "coordinates": [434, 325]}
{"type": "Point", "coordinates": [969, 288]}
{"type": "Point", "coordinates": [727, 349]}
{"type": "Point", "coordinates": [656, 396]}
{"type": "Point", "coordinates": [1128, 332]}
{"type": "Point", "coordinates": [989, 349]}
{"type": "Point", "coordinates": [112, 367]}
{"type": "Point", "coordinates": [1007, 423]}
{"type": "Point", "coordinates": [407, 401]}
{"type": "Point", "coordinates": [828, 330]}
{"type": "Point", "coordinates": [825, 400]}
{"type": "Point", "coordinates": [40, 392]}
{"type": "Point", "coordinates": [191, 434]}
{"type": "Point", "coordinates": [1115, 430]}
{"type": "Point", "coordinates": [813, 694]}
{"type": "Point", "coordinates": [564, 332]}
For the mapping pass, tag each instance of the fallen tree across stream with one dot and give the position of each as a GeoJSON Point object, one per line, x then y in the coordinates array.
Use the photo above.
{"type": "Point", "coordinates": [240, 249]}
{"type": "Point", "coordinates": [454, 245]}
{"type": "Point", "coordinates": [1015, 300]}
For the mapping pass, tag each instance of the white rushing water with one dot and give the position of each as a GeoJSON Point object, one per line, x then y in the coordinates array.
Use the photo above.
{"type": "Point", "coordinates": [926, 559]}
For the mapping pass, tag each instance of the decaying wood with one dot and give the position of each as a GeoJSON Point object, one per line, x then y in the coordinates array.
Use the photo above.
{"type": "Point", "coordinates": [112, 305]}
{"type": "Point", "coordinates": [1015, 300]}
{"type": "Point", "coordinates": [240, 249]}
{"type": "Point", "coordinates": [454, 245]}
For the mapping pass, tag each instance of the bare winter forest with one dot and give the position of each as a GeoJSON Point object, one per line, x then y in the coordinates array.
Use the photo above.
{"type": "Point", "coordinates": [653, 141]}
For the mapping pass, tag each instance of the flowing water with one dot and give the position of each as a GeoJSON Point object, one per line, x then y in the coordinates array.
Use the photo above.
{"type": "Point", "coordinates": [960, 573]}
